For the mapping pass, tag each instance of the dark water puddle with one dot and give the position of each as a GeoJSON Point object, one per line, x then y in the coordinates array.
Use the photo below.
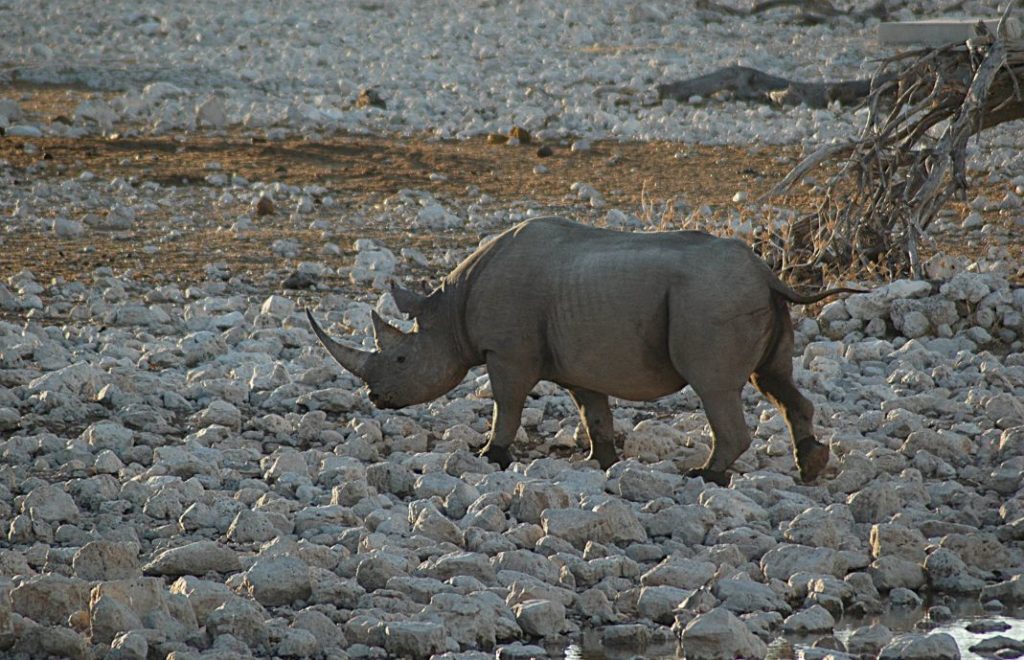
{"type": "Point", "coordinates": [899, 621]}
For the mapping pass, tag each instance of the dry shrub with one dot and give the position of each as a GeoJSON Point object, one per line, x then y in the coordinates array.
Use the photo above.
{"type": "Point", "coordinates": [908, 161]}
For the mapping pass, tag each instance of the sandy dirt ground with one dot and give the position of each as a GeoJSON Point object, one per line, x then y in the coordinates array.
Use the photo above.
{"type": "Point", "coordinates": [358, 172]}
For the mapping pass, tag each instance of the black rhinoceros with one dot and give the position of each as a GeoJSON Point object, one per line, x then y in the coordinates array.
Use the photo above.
{"type": "Point", "coordinates": [601, 313]}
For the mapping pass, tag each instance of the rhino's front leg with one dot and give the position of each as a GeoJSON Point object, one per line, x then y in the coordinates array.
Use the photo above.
{"type": "Point", "coordinates": [596, 416]}
{"type": "Point", "coordinates": [510, 386]}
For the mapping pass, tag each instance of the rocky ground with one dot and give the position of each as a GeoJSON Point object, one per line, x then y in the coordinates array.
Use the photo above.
{"type": "Point", "coordinates": [186, 474]}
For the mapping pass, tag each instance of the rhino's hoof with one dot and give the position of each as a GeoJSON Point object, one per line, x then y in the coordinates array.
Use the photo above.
{"type": "Point", "coordinates": [500, 455]}
{"type": "Point", "coordinates": [719, 477]}
{"type": "Point", "coordinates": [811, 458]}
{"type": "Point", "coordinates": [604, 459]}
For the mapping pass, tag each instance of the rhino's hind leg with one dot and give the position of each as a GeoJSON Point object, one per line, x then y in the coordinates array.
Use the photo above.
{"type": "Point", "coordinates": [510, 388]}
{"type": "Point", "coordinates": [596, 416]}
{"type": "Point", "coordinates": [730, 435]}
{"type": "Point", "coordinates": [775, 380]}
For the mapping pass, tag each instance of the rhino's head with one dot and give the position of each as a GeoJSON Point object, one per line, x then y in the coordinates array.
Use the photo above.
{"type": "Point", "coordinates": [407, 368]}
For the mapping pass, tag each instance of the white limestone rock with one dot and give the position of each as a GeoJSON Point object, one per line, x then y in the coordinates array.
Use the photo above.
{"type": "Point", "coordinates": [277, 581]}
{"type": "Point", "coordinates": [49, 503]}
{"type": "Point", "coordinates": [417, 639]}
{"type": "Point", "coordinates": [211, 113]}
{"type": "Point", "coordinates": [934, 646]}
{"type": "Point", "coordinates": [531, 498]}
{"type": "Point", "coordinates": [679, 573]}
{"type": "Point", "coordinates": [893, 539]}
{"type": "Point", "coordinates": [609, 522]}
{"type": "Point", "coordinates": [719, 635]}
{"type": "Point", "coordinates": [741, 595]}
{"type": "Point", "coordinates": [242, 618]}
{"type": "Point", "coordinates": [131, 645]}
{"type": "Point", "coordinates": [894, 572]}
{"type": "Point", "coordinates": [830, 527]}
{"type": "Point", "coordinates": [652, 441]}
{"type": "Point", "coordinates": [540, 618]}
{"type": "Point", "coordinates": [659, 603]}
{"type": "Point", "coordinates": [49, 599]}
{"type": "Point", "coordinates": [251, 526]}
{"type": "Point", "coordinates": [814, 619]}
{"type": "Point", "coordinates": [1007, 591]}
{"type": "Point", "coordinates": [204, 596]}
{"type": "Point", "coordinates": [869, 640]}
{"type": "Point", "coordinates": [784, 560]}
{"type": "Point", "coordinates": [947, 572]}
{"type": "Point", "coordinates": [196, 558]}
{"type": "Point", "coordinates": [107, 560]}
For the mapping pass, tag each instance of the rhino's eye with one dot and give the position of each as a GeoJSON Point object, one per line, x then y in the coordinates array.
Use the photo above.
{"type": "Point", "coordinates": [400, 359]}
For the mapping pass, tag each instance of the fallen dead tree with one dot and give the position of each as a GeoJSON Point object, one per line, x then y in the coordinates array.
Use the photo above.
{"type": "Point", "coordinates": [743, 83]}
{"type": "Point", "coordinates": [907, 162]}
{"type": "Point", "coordinates": [810, 12]}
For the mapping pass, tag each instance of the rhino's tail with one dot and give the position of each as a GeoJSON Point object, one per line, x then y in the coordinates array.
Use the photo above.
{"type": "Point", "coordinates": [793, 296]}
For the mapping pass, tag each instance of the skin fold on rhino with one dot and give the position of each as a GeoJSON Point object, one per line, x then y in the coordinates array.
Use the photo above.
{"type": "Point", "coordinates": [602, 313]}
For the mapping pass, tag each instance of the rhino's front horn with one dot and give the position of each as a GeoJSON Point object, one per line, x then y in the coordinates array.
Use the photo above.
{"type": "Point", "coordinates": [352, 359]}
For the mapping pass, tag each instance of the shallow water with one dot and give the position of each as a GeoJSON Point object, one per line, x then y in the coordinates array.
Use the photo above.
{"type": "Point", "coordinates": [797, 648]}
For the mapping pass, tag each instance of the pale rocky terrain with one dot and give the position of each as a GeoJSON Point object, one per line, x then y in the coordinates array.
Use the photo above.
{"type": "Point", "coordinates": [186, 474]}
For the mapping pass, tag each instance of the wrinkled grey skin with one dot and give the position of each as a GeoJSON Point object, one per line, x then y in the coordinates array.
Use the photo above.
{"type": "Point", "coordinates": [602, 313]}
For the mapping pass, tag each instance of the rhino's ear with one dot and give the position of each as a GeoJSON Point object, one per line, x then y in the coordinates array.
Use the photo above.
{"type": "Point", "coordinates": [409, 302]}
{"type": "Point", "coordinates": [384, 333]}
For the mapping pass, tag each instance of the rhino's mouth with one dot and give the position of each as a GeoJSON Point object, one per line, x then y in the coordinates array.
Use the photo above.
{"type": "Point", "coordinates": [381, 401]}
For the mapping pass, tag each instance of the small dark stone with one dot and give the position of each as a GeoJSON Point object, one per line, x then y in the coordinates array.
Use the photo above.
{"type": "Point", "coordinates": [987, 626]}
{"type": "Point", "coordinates": [830, 642]}
{"type": "Point", "coordinates": [996, 644]}
{"type": "Point", "coordinates": [370, 97]}
{"type": "Point", "coordinates": [521, 134]}
{"type": "Point", "coordinates": [265, 206]}
{"type": "Point", "coordinates": [300, 280]}
{"type": "Point", "coordinates": [545, 151]}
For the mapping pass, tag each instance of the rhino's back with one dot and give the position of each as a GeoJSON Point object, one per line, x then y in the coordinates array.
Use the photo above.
{"type": "Point", "coordinates": [593, 304]}
{"type": "Point", "coordinates": [546, 254]}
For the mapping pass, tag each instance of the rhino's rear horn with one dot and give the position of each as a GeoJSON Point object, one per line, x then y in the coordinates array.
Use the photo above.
{"type": "Point", "coordinates": [352, 359]}
{"type": "Point", "coordinates": [409, 302]}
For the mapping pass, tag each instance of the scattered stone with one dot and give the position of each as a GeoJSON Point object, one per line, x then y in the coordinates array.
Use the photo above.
{"type": "Point", "coordinates": [540, 618]}
{"type": "Point", "coordinates": [719, 634]}
{"type": "Point", "coordinates": [868, 640]}
{"type": "Point", "coordinates": [815, 619]}
{"type": "Point", "coordinates": [418, 639]}
{"type": "Point", "coordinates": [370, 98]}
{"type": "Point", "coordinates": [49, 599]}
{"type": "Point", "coordinates": [49, 503]}
{"type": "Point", "coordinates": [264, 206]}
{"type": "Point", "coordinates": [196, 558]}
{"type": "Point", "coordinates": [985, 626]}
{"type": "Point", "coordinates": [274, 581]}
{"type": "Point", "coordinates": [107, 560]}
{"type": "Point", "coordinates": [937, 646]}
